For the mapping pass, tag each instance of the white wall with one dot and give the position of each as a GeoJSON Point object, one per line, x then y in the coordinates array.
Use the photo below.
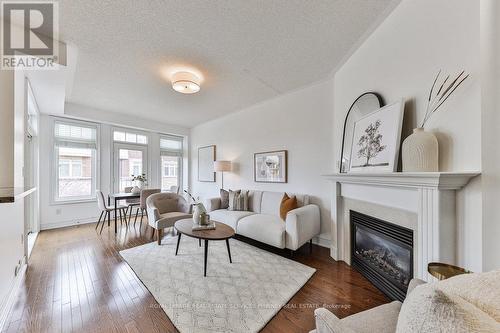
{"type": "Point", "coordinates": [490, 59]}
{"type": "Point", "coordinates": [12, 248]}
{"type": "Point", "coordinates": [300, 122]}
{"type": "Point", "coordinates": [54, 215]}
{"type": "Point", "coordinates": [7, 128]}
{"type": "Point", "coordinates": [400, 59]}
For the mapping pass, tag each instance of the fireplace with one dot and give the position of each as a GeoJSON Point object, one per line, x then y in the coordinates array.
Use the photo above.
{"type": "Point", "coordinates": [383, 253]}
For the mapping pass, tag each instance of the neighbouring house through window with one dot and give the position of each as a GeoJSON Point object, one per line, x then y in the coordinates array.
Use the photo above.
{"type": "Point", "coordinates": [75, 150]}
{"type": "Point", "coordinates": [171, 162]}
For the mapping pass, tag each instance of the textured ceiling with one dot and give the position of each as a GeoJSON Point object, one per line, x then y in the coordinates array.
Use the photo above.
{"type": "Point", "coordinates": [247, 51]}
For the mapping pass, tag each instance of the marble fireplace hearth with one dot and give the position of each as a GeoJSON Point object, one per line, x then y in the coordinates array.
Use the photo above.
{"type": "Point", "coordinates": [422, 202]}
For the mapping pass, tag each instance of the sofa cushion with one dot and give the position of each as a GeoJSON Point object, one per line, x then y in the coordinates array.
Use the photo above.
{"type": "Point", "coordinates": [233, 196]}
{"type": "Point", "coordinates": [239, 201]}
{"type": "Point", "coordinates": [382, 319]}
{"type": "Point", "coordinates": [254, 201]}
{"type": "Point", "coordinates": [229, 217]}
{"type": "Point", "coordinates": [265, 228]}
{"type": "Point", "coordinates": [431, 309]}
{"type": "Point", "coordinates": [168, 219]}
{"type": "Point", "coordinates": [271, 202]}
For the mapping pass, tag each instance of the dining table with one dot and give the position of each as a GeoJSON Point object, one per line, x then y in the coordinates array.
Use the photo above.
{"type": "Point", "coordinates": [121, 196]}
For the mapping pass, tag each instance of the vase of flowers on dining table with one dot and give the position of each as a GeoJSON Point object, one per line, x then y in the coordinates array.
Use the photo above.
{"type": "Point", "coordinates": [140, 182]}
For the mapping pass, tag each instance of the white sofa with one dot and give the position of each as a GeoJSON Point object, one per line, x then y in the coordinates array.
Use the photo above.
{"type": "Point", "coordinates": [263, 222]}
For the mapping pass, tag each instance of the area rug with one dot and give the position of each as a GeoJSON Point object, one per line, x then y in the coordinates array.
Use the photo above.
{"type": "Point", "coordinates": [238, 297]}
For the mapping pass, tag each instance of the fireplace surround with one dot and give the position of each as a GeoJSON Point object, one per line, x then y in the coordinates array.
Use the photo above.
{"type": "Point", "coordinates": [421, 201]}
{"type": "Point", "coordinates": [383, 253]}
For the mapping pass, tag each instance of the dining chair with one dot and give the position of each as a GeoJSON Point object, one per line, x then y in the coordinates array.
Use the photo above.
{"type": "Point", "coordinates": [106, 211]}
{"type": "Point", "coordinates": [131, 203]}
{"type": "Point", "coordinates": [142, 203]}
{"type": "Point", "coordinates": [174, 189]}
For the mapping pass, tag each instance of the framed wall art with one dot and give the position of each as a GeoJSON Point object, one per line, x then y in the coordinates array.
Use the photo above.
{"type": "Point", "coordinates": [271, 167]}
{"type": "Point", "coordinates": [206, 159]}
{"type": "Point", "coordinates": [376, 139]}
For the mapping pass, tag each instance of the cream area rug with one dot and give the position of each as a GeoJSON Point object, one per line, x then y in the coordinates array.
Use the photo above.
{"type": "Point", "coordinates": [238, 297]}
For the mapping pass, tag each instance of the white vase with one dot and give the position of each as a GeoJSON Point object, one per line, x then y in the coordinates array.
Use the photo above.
{"type": "Point", "coordinates": [198, 212]}
{"type": "Point", "coordinates": [420, 152]}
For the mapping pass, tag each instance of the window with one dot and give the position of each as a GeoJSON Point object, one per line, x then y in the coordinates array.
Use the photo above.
{"type": "Point", "coordinates": [75, 150]}
{"type": "Point", "coordinates": [130, 137]}
{"type": "Point", "coordinates": [70, 164]}
{"type": "Point", "coordinates": [129, 161]}
{"type": "Point", "coordinates": [169, 168]}
{"type": "Point", "coordinates": [171, 161]}
{"type": "Point", "coordinates": [130, 157]}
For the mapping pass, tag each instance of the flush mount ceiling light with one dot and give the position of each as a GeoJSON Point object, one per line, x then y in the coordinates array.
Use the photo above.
{"type": "Point", "coordinates": [185, 82]}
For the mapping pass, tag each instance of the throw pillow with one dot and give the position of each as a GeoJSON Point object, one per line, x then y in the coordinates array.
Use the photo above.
{"type": "Point", "coordinates": [428, 308]}
{"type": "Point", "coordinates": [233, 196]}
{"type": "Point", "coordinates": [224, 199]}
{"type": "Point", "coordinates": [243, 201]}
{"type": "Point", "coordinates": [238, 200]}
{"type": "Point", "coordinates": [287, 204]}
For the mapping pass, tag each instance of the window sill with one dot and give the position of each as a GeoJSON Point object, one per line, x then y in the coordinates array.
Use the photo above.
{"type": "Point", "coordinates": [70, 202]}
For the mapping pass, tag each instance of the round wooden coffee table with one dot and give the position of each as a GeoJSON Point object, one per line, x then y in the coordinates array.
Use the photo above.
{"type": "Point", "coordinates": [221, 232]}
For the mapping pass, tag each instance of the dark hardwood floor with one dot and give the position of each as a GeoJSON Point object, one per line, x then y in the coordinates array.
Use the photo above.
{"type": "Point", "coordinates": [77, 282]}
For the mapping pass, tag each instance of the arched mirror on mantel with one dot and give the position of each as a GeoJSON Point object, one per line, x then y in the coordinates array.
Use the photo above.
{"type": "Point", "coordinates": [362, 106]}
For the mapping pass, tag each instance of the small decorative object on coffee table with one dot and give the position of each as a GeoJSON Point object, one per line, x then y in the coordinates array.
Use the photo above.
{"type": "Point", "coordinates": [444, 271]}
{"type": "Point", "coordinates": [221, 232]}
{"type": "Point", "coordinates": [199, 214]}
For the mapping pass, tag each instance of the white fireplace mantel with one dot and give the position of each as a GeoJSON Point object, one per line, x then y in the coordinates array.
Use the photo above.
{"type": "Point", "coordinates": [429, 196]}
{"type": "Point", "coordinates": [440, 180]}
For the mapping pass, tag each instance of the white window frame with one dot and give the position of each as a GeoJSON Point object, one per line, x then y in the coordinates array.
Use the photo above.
{"type": "Point", "coordinates": [129, 131]}
{"type": "Point", "coordinates": [173, 153]}
{"type": "Point", "coordinates": [117, 145]}
{"type": "Point", "coordinates": [54, 181]}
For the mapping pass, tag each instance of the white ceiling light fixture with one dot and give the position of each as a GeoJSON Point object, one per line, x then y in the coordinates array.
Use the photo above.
{"type": "Point", "coordinates": [185, 82]}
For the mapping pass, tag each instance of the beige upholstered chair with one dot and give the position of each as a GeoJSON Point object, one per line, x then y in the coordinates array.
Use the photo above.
{"type": "Point", "coordinates": [164, 209]}
{"type": "Point", "coordinates": [142, 202]}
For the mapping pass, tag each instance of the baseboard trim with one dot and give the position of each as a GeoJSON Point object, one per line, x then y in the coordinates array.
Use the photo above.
{"type": "Point", "coordinates": [11, 297]}
{"type": "Point", "coordinates": [333, 253]}
{"type": "Point", "coordinates": [63, 224]}
{"type": "Point", "coordinates": [322, 240]}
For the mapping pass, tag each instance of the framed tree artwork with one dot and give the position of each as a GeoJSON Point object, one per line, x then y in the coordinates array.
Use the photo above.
{"type": "Point", "coordinates": [206, 159]}
{"type": "Point", "coordinates": [376, 140]}
{"type": "Point", "coordinates": [271, 167]}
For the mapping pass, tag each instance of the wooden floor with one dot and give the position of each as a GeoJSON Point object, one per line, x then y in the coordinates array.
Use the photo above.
{"type": "Point", "coordinates": [77, 282]}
